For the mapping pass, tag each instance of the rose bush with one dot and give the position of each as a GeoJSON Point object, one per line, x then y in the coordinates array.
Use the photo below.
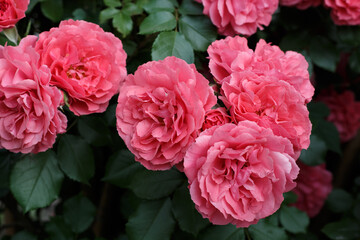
{"type": "Point", "coordinates": [29, 116]}
{"type": "Point", "coordinates": [86, 63]}
{"type": "Point", "coordinates": [238, 113]}
{"type": "Point", "coordinates": [161, 110]}
{"type": "Point", "coordinates": [238, 173]}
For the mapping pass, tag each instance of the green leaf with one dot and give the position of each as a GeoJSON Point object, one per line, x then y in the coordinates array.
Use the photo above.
{"type": "Point", "coordinates": [324, 53]}
{"type": "Point", "coordinates": [289, 197]}
{"type": "Point", "coordinates": [318, 110]}
{"type": "Point", "coordinates": [345, 229]}
{"type": "Point", "coordinates": [224, 232]}
{"type": "Point", "coordinates": [339, 200]}
{"type": "Point", "coordinates": [172, 44]}
{"type": "Point", "coordinates": [356, 210]}
{"type": "Point", "coordinates": [107, 14]}
{"type": "Point", "coordinates": [131, 9]}
{"type": "Point", "coordinates": [129, 202]}
{"type": "Point", "coordinates": [158, 21]}
{"type": "Point", "coordinates": [198, 30]}
{"type": "Point", "coordinates": [159, 5]}
{"type": "Point", "coordinates": [31, 5]}
{"type": "Point", "coordinates": [121, 168]}
{"type": "Point", "coordinates": [79, 14]}
{"type": "Point", "coordinates": [24, 235]}
{"type": "Point", "coordinates": [263, 230]}
{"type": "Point", "coordinates": [152, 220]}
{"type": "Point", "coordinates": [76, 158]}
{"type": "Point", "coordinates": [12, 34]}
{"type": "Point", "coordinates": [329, 134]}
{"type": "Point", "coordinates": [123, 23]}
{"type": "Point", "coordinates": [58, 229]}
{"type": "Point", "coordinates": [5, 167]}
{"type": "Point", "coordinates": [190, 7]}
{"type": "Point", "coordinates": [188, 217]}
{"type": "Point", "coordinates": [294, 41]}
{"type": "Point", "coordinates": [112, 3]}
{"type": "Point", "coordinates": [79, 213]}
{"type": "Point", "coordinates": [349, 35]}
{"type": "Point", "coordinates": [293, 220]}
{"type": "Point", "coordinates": [52, 9]}
{"type": "Point", "coordinates": [35, 181]}
{"type": "Point", "coordinates": [156, 184]}
{"type": "Point", "coordinates": [316, 152]}
{"type": "Point", "coordinates": [178, 234]}
{"type": "Point", "coordinates": [305, 236]}
{"type": "Point", "coordinates": [94, 130]}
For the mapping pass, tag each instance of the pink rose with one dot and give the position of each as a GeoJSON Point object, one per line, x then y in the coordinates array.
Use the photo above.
{"type": "Point", "coordinates": [161, 109]}
{"type": "Point", "coordinates": [86, 63]}
{"type": "Point", "coordinates": [233, 55]}
{"type": "Point", "coordinates": [29, 115]}
{"type": "Point", "coordinates": [11, 11]}
{"type": "Point", "coordinates": [344, 12]}
{"type": "Point", "coordinates": [301, 4]}
{"type": "Point", "coordinates": [271, 103]}
{"type": "Point", "coordinates": [313, 187]}
{"type": "Point", "coordinates": [238, 173]}
{"type": "Point", "coordinates": [344, 112]}
{"type": "Point", "coordinates": [240, 17]}
{"type": "Point", "coordinates": [217, 116]}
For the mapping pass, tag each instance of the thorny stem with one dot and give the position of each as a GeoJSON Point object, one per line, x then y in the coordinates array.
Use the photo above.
{"type": "Point", "coordinates": [347, 161]}
{"type": "Point", "coordinates": [99, 224]}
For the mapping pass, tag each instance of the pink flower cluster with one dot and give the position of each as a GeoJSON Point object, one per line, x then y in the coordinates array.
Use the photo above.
{"type": "Point", "coordinates": [239, 17]}
{"type": "Point", "coordinates": [77, 59]}
{"type": "Point", "coordinates": [344, 12]}
{"type": "Point", "coordinates": [313, 187]}
{"type": "Point", "coordinates": [239, 171]}
{"type": "Point", "coordinates": [344, 112]}
{"type": "Point", "coordinates": [239, 159]}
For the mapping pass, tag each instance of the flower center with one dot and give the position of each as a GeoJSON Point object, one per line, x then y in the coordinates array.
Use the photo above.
{"type": "Point", "coordinates": [76, 71]}
{"type": "Point", "coordinates": [4, 5]}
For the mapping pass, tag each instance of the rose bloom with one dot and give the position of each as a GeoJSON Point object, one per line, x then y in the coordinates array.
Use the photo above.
{"type": "Point", "coordinates": [217, 116]}
{"type": "Point", "coordinates": [29, 115]}
{"type": "Point", "coordinates": [232, 54]}
{"type": "Point", "coordinates": [344, 112]}
{"type": "Point", "coordinates": [313, 187]}
{"type": "Point", "coordinates": [344, 12]}
{"type": "Point", "coordinates": [300, 4]}
{"type": "Point", "coordinates": [238, 173]}
{"type": "Point", "coordinates": [271, 103]}
{"type": "Point", "coordinates": [240, 17]}
{"type": "Point", "coordinates": [161, 109]}
{"type": "Point", "coordinates": [86, 63]}
{"type": "Point", "coordinates": [11, 11]}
